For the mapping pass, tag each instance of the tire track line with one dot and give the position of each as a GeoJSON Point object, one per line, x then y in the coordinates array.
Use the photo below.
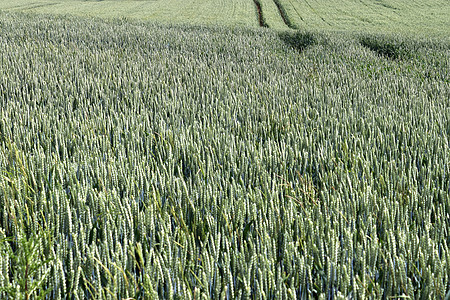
{"type": "Point", "coordinates": [314, 11]}
{"type": "Point", "coordinates": [284, 15]}
{"type": "Point", "coordinates": [262, 22]}
{"type": "Point", "coordinates": [295, 9]}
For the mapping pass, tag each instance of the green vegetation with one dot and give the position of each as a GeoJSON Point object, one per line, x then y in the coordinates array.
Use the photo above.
{"type": "Point", "coordinates": [270, 15]}
{"type": "Point", "coordinates": [424, 18]}
{"type": "Point", "coordinates": [214, 12]}
{"type": "Point", "coordinates": [188, 162]}
{"type": "Point", "coordinates": [428, 17]}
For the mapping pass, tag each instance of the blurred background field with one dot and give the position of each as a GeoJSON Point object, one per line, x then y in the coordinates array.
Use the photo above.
{"type": "Point", "coordinates": [213, 12]}
{"type": "Point", "coordinates": [424, 18]}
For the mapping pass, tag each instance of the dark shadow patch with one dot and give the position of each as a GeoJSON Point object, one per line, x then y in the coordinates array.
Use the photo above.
{"type": "Point", "coordinates": [299, 40]}
{"type": "Point", "coordinates": [388, 47]}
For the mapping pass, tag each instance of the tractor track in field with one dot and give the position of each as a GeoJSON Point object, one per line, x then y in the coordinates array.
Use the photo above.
{"type": "Point", "coordinates": [33, 6]}
{"type": "Point", "coordinates": [262, 22]}
{"type": "Point", "coordinates": [317, 14]}
{"type": "Point", "coordinates": [296, 11]}
{"type": "Point", "coordinates": [283, 15]}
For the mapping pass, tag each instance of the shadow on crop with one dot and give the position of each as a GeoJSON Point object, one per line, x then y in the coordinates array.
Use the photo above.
{"type": "Point", "coordinates": [394, 48]}
{"type": "Point", "coordinates": [299, 40]}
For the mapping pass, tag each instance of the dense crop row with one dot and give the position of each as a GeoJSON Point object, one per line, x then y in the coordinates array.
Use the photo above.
{"type": "Point", "coordinates": [187, 162]}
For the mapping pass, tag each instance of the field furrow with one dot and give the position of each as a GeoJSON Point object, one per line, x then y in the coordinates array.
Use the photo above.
{"type": "Point", "coordinates": [259, 14]}
{"type": "Point", "coordinates": [272, 17]}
